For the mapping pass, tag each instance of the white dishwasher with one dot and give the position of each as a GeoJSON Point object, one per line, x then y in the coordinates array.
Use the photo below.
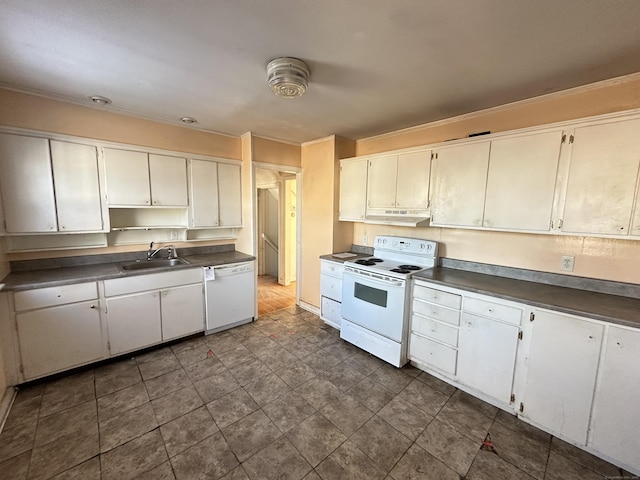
{"type": "Point", "coordinates": [230, 295]}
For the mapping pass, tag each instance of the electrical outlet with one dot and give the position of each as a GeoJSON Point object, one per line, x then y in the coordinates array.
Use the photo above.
{"type": "Point", "coordinates": [365, 239]}
{"type": "Point", "coordinates": [174, 235]}
{"type": "Point", "coordinates": [566, 263]}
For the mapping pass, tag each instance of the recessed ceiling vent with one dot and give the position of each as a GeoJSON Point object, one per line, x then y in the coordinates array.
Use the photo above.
{"type": "Point", "coordinates": [288, 76]}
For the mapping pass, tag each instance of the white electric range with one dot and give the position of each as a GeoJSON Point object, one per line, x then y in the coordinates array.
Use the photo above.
{"type": "Point", "coordinates": [375, 295]}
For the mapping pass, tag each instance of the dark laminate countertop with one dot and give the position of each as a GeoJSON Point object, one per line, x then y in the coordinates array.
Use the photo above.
{"type": "Point", "coordinates": [599, 306]}
{"type": "Point", "coordinates": [67, 275]}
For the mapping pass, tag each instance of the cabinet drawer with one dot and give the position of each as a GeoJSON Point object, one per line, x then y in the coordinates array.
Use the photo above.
{"type": "Point", "coordinates": [505, 313]}
{"type": "Point", "coordinates": [435, 330]}
{"type": "Point", "coordinates": [153, 281]}
{"type": "Point", "coordinates": [331, 287]}
{"type": "Point", "coordinates": [51, 296]}
{"type": "Point", "coordinates": [330, 310]}
{"type": "Point", "coordinates": [331, 268]}
{"type": "Point", "coordinates": [436, 312]}
{"type": "Point", "coordinates": [432, 353]}
{"type": "Point", "coordinates": [446, 299]}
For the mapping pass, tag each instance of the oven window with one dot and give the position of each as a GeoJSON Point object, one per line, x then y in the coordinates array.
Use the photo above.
{"type": "Point", "coordinates": [370, 294]}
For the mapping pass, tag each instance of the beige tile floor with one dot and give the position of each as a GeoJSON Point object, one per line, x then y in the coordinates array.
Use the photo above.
{"type": "Point", "coordinates": [282, 397]}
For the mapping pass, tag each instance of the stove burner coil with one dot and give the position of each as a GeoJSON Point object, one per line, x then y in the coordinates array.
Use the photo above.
{"type": "Point", "coordinates": [409, 267]}
{"type": "Point", "coordinates": [400, 270]}
{"type": "Point", "coordinates": [368, 261]}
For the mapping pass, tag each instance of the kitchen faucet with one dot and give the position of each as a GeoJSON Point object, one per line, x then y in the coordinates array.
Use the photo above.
{"type": "Point", "coordinates": [170, 248]}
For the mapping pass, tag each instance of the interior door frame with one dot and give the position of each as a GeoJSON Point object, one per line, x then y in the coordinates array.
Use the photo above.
{"type": "Point", "coordinates": [297, 171]}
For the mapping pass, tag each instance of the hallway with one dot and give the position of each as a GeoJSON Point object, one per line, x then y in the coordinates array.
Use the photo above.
{"type": "Point", "coordinates": [272, 296]}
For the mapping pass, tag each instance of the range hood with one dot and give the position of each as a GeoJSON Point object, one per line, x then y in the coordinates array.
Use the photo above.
{"type": "Point", "coordinates": [397, 217]}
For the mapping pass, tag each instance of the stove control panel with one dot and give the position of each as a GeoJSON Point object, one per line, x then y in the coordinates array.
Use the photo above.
{"type": "Point", "coordinates": [406, 245]}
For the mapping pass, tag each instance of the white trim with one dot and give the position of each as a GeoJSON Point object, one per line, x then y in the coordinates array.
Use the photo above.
{"type": "Point", "coordinates": [309, 308]}
{"type": "Point", "coordinates": [278, 167]}
{"type": "Point", "coordinates": [6, 402]}
{"type": "Point", "coordinates": [273, 139]}
{"type": "Point", "coordinates": [507, 106]}
{"type": "Point", "coordinates": [318, 140]}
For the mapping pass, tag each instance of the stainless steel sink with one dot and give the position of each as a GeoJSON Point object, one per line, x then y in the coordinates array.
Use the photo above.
{"type": "Point", "coordinates": [159, 263]}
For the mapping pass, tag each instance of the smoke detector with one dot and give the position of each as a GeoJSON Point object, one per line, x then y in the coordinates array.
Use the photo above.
{"type": "Point", "coordinates": [287, 77]}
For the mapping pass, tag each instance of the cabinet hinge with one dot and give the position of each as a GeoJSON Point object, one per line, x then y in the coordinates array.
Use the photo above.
{"type": "Point", "coordinates": [5, 224]}
{"type": "Point", "coordinates": [520, 335]}
{"type": "Point", "coordinates": [109, 346]}
{"type": "Point", "coordinates": [521, 407]}
{"type": "Point", "coordinates": [532, 317]}
{"type": "Point", "coordinates": [513, 397]}
{"type": "Point", "coordinates": [564, 138]}
{"type": "Point", "coordinates": [22, 369]}
{"type": "Point", "coordinates": [570, 139]}
{"type": "Point", "coordinates": [431, 155]}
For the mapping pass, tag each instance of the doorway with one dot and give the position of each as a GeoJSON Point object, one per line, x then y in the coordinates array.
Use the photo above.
{"type": "Point", "coordinates": [277, 238]}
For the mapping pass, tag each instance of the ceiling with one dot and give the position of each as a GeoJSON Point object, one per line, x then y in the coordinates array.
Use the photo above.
{"type": "Point", "coordinates": [376, 65]}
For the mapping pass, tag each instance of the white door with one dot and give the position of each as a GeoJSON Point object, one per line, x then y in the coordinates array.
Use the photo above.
{"type": "Point", "coordinates": [353, 189]}
{"type": "Point", "coordinates": [459, 185]}
{"type": "Point", "coordinates": [182, 310]}
{"type": "Point", "coordinates": [230, 195]}
{"type": "Point", "coordinates": [602, 178]}
{"type": "Point", "coordinates": [58, 338]}
{"type": "Point", "coordinates": [26, 184]}
{"type": "Point", "coordinates": [614, 428]}
{"type": "Point", "coordinates": [204, 193]}
{"type": "Point", "coordinates": [75, 173]}
{"type": "Point", "coordinates": [381, 182]}
{"type": "Point", "coordinates": [521, 182]}
{"type": "Point", "coordinates": [561, 375]}
{"type": "Point", "coordinates": [168, 177]}
{"type": "Point", "coordinates": [487, 355]}
{"type": "Point", "coordinates": [412, 185]}
{"type": "Point", "coordinates": [127, 177]}
{"type": "Point", "coordinates": [133, 321]}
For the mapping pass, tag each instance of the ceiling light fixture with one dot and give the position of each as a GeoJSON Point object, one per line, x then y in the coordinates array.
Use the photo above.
{"type": "Point", "coordinates": [288, 77]}
{"type": "Point", "coordinates": [188, 120]}
{"type": "Point", "coordinates": [98, 100]}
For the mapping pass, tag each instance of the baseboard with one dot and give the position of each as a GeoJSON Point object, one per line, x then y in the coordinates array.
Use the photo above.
{"type": "Point", "coordinates": [5, 404]}
{"type": "Point", "coordinates": [309, 308]}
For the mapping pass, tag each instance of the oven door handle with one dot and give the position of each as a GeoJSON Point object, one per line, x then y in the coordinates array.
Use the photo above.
{"type": "Point", "coordinates": [379, 281]}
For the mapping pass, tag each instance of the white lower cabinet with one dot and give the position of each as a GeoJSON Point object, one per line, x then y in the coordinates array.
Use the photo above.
{"type": "Point", "coordinates": [331, 292]}
{"type": "Point", "coordinates": [562, 363]}
{"type": "Point", "coordinates": [133, 321]}
{"type": "Point", "coordinates": [616, 410]}
{"type": "Point", "coordinates": [148, 309]}
{"type": "Point", "coordinates": [58, 328]}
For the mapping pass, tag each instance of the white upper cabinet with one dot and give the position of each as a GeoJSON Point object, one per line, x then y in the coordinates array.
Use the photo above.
{"type": "Point", "coordinates": [49, 186]}
{"type": "Point", "coordinates": [168, 178]}
{"type": "Point", "coordinates": [229, 195]}
{"type": "Point", "coordinates": [353, 189]}
{"type": "Point", "coordinates": [602, 178]}
{"type": "Point", "coordinates": [521, 182]}
{"type": "Point", "coordinates": [216, 194]}
{"type": "Point", "coordinates": [459, 185]}
{"type": "Point", "coordinates": [381, 182]}
{"type": "Point", "coordinates": [399, 181]}
{"type": "Point", "coordinates": [412, 185]}
{"type": "Point", "coordinates": [26, 184]}
{"type": "Point", "coordinates": [140, 179]}
{"type": "Point", "coordinates": [77, 188]}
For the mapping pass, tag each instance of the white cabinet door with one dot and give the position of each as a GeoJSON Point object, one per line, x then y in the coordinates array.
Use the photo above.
{"type": "Point", "coordinates": [521, 182]}
{"type": "Point", "coordinates": [58, 338]}
{"type": "Point", "coordinates": [182, 311]}
{"type": "Point", "coordinates": [412, 185]}
{"type": "Point", "coordinates": [381, 182]}
{"type": "Point", "coordinates": [614, 428]}
{"type": "Point", "coordinates": [127, 177]}
{"type": "Point", "coordinates": [561, 373]}
{"type": "Point", "coordinates": [353, 189]}
{"type": "Point", "coordinates": [77, 189]}
{"type": "Point", "coordinates": [602, 178]}
{"type": "Point", "coordinates": [229, 195]}
{"type": "Point", "coordinates": [459, 184]}
{"type": "Point", "coordinates": [203, 177]}
{"type": "Point", "coordinates": [26, 184]}
{"type": "Point", "coordinates": [487, 355]}
{"type": "Point", "coordinates": [133, 321]}
{"type": "Point", "coordinates": [168, 177]}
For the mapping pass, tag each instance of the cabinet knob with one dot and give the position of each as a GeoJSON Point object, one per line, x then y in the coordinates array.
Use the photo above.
{"type": "Point", "coordinates": [92, 306]}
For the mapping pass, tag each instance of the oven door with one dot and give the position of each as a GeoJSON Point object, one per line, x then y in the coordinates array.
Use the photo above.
{"type": "Point", "coordinates": [374, 303]}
